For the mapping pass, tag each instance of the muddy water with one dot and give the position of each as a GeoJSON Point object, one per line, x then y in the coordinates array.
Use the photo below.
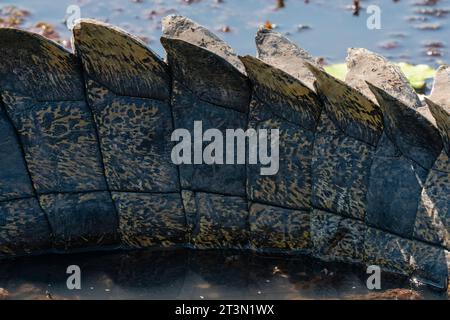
{"type": "Point", "coordinates": [414, 31]}
{"type": "Point", "coordinates": [186, 274]}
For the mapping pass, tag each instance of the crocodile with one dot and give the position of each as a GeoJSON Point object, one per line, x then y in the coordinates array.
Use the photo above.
{"type": "Point", "coordinates": [85, 155]}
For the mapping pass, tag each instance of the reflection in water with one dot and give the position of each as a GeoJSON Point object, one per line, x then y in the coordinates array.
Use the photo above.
{"type": "Point", "coordinates": [189, 274]}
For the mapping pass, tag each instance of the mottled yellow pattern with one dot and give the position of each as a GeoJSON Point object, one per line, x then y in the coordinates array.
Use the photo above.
{"type": "Point", "coordinates": [353, 112]}
{"type": "Point", "coordinates": [222, 222]}
{"type": "Point", "coordinates": [433, 214]}
{"type": "Point", "coordinates": [278, 228]}
{"type": "Point", "coordinates": [340, 171]}
{"type": "Point", "coordinates": [150, 220]}
{"type": "Point", "coordinates": [60, 146]}
{"type": "Point", "coordinates": [134, 136]}
{"type": "Point", "coordinates": [335, 238]}
{"type": "Point", "coordinates": [442, 115]}
{"type": "Point", "coordinates": [278, 85]}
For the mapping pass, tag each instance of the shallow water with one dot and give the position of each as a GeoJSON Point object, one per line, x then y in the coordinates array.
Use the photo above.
{"type": "Point", "coordinates": [188, 274]}
{"type": "Point", "coordinates": [329, 27]}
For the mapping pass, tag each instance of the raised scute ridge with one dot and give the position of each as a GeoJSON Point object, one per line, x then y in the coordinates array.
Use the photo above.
{"type": "Point", "coordinates": [120, 61]}
{"type": "Point", "coordinates": [280, 52]}
{"type": "Point", "coordinates": [303, 106]}
{"type": "Point", "coordinates": [34, 67]}
{"type": "Point", "coordinates": [440, 93]}
{"type": "Point", "coordinates": [212, 78]}
{"type": "Point", "coordinates": [47, 107]}
{"type": "Point", "coordinates": [133, 117]}
{"type": "Point", "coordinates": [411, 133]}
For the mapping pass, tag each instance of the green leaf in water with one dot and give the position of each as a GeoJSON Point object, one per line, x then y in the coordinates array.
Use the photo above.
{"type": "Point", "coordinates": [416, 74]}
{"type": "Point", "coordinates": [338, 70]}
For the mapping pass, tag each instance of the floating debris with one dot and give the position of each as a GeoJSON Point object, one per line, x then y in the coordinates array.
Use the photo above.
{"type": "Point", "coordinates": [388, 45]}
{"type": "Point", "coordinates": [12, 16]}
{"type": "Point", "coordinates": [426, 3]}
{"type": "Point", "coordinates": [48, 295]}
{"type": "Point", "coordinates": [4, 294]}
{"type": "Point", "coordinates": [338, 70]}
{"type": "Point", "coordinates": [321, 61]}
{"type": "Point", "coordinates": [433, 52]}
{"type": "Point", "coordinates": [302, 27]}
{"type": "Point", "coordinates": [45, 29]}
{"type": "Point", "coordinates": [398, 35]}
{"type": "Point", "coordinates": [231, 259]}
{"type": "Point", "coordinates": [434, 44]}
{"type": "Point", "coordinates": [416, 18]}
{"type": "Point", "coordinates": [280, 4]}
{"type": "Point", "coordinates": [276, 270]}
{"type": "Point", "coordinates": [356, 6]}
{"type": "Point", "coordinates": [269, 25]}
{"type": "Point", "coordinates": [391, 294]}
{"type": "Point", "coordinates": [417, 74]}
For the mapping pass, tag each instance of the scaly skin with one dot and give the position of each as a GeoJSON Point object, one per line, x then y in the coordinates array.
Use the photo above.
{"type": "Point", "coordinates": [364, 171]}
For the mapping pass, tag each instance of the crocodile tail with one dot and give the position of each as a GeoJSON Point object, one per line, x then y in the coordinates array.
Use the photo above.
{"type": "Point", "coordinates": [87, 157]}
